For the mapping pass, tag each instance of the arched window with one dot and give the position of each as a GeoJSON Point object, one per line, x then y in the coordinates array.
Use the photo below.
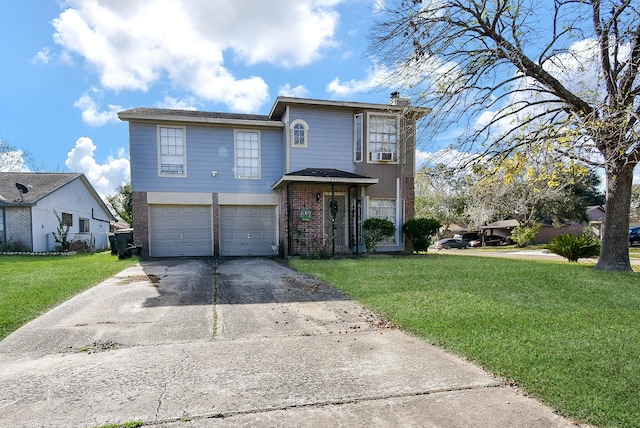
{"type": "Point", "coordinates": [299, 133]}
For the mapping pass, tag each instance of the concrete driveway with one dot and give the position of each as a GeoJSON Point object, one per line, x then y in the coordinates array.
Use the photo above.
{"type": "Point", "coordinates": [239, 342]}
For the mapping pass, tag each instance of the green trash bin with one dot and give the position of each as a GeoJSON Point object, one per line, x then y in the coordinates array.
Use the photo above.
{"type": "Point", "coordinates": [124, 241]}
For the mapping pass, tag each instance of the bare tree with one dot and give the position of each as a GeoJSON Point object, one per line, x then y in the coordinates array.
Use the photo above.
{"type": "Point", "coordinates": [526, 75]}
{"type": "Point", "coordinates": [11, 158]}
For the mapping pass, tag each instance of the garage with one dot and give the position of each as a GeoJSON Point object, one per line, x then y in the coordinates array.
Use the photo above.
{"type": "Point", "coordinates": [180, 230]}
{"type": "Point", "coordinates": [247, 230]}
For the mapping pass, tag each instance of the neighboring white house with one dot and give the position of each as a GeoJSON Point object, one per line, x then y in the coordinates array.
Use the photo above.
{"type": "Point", "coordinates": [28, 201]}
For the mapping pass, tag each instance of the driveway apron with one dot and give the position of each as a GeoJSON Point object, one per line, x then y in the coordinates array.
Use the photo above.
{"type": "Point", "coordinates": [239, 342]}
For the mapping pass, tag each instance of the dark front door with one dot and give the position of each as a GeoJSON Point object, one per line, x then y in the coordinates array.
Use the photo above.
{"type": "Point", "coordinates": [335, 218]}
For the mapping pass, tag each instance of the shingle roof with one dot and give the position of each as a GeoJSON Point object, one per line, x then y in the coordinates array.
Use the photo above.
{"type": "Point", "coordinates": [325, 172]}
{"type": "Point", "coordinates": [323, 176]}
{"type": "Point", "coordinates": [40, 184]}
{"type": "Point", "coordinates": [196, 114]}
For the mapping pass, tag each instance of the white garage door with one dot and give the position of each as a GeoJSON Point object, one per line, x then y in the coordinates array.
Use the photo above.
{"type": "Point", "coordinates": [180, 230]}
{"type": "Point", "coordinates": [247, 230]}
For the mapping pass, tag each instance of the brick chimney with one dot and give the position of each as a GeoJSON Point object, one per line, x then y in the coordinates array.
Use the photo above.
{"type": "Point", "coordinates": [397, 100]}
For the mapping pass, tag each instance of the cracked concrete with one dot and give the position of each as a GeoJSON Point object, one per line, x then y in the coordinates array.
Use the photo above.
{"type": "Point", "coordinates": [243, 342]}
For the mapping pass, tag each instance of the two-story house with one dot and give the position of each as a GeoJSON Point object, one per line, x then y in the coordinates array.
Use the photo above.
{"type": "Point", "coordinates": [300, 180]}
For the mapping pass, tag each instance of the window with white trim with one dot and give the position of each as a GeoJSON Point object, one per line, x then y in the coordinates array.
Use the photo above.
{"type": "Point", "coordinates": [299, 133]}
{"type": "Point", "coordinates": [383, 138]}
{"type": "Point", "coordinates": [357, 138]}
{"type": "Point", "coordinates": [83, 225]}
{"type": "Point", "coordinates": [247, 154]}
{"type": "Point", "coordinates": [385, 209]}
{"type": "Point", "coordinates": [172, 159]}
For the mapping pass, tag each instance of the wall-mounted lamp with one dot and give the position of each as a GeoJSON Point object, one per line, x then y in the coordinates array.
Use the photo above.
{"type": "Point", "coordinates": [318, 197]}
{"type": "Point", "coordinates": [214, 173]}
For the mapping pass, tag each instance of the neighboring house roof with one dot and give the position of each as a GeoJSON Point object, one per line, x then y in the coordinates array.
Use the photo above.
{"type": "Point", "coordinates": [506, 224]}
{"type": "Point", "coordinates": [324, 175]}
{"type": "Point", "coordinates": [39, 185]}
{"type": "Point", "coordinates": [595, 213]}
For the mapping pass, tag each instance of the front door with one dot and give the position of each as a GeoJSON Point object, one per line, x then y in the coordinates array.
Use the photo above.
{"type": "Point", "coordinates": [335, 218]}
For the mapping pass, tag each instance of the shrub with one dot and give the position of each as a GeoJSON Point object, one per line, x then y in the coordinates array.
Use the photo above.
{"type": "Point", "coordinates": [13, 247]}
{"type": "Point", "coordinates": [420, 232]}
{"type": "Point", "coordinates": [574, 247]}
{"type": "Point", "coordinates": [375, 231]}
{"type": "Point", "coordinates": [523, 235]}
{"type": "Point", "coordinates": [62, 234]}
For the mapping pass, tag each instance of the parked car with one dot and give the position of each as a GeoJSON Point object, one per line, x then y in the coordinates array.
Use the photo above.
{"type": "Point", "coordinates": [488, 240]}
{"type": "Point", "coordinates": [451, 243]}
{"type": "Point", "coordinates": [634, 235]}
{"type": "Point", "coordinates": [470, 236]}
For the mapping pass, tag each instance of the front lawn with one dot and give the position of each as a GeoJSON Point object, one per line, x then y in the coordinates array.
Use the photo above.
{"type": "Point", "coordinates": [31, 285]}
{"type": "Point", "coordinates": [565, 333]}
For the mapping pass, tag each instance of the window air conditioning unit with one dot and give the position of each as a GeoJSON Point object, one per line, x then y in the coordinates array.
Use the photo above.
{"type": "Point", "coordinates": [384, 156]}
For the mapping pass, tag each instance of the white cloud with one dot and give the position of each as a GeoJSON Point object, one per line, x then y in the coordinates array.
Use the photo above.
{"type": "Point", "coordinates": [132, 44]}
{"type": "Point", "coordinates": [106, 177]}
{"type": "Point", "coordinates": [188, 103]}
{"type": "Point", "coordinates": [287, 91]}
{"type": "Point", "coordinates": [91, 113]}
{"type": "Point", "coordinates": [376, 76]}
{"type": "Point", "coordinates": [42, 56]}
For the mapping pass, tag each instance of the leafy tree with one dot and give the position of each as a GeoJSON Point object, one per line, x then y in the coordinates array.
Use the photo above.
{"type": "Point", "coordinates": [122, 203]}
{"type": "Point", "coordinates": [525, 75]}
{"type": "Point", "coordinates": [420, 232]}
{"type": "Point", "coordinates": [528, 189]}
{"type": "Point", "coordinates": [581, 192]}
{"type": "Point", "coordinates": [522, 235]}
{"type": "Point", "coordinates": [376, 230]}
{"type": "Point", "coordinates": [440, 193]}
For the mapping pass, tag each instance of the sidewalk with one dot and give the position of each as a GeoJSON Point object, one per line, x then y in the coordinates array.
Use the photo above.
{"type": "Point", "coordinates": [248, 342]}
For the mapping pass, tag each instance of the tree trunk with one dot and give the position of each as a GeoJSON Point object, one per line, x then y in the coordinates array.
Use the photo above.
{"type": "Point", "coordinates": [614, 253]}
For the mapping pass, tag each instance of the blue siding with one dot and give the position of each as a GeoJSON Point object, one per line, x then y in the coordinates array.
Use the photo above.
{"type": "Point", "coordinates": [330, 139]}
{"type": "Point", "coordinates": [208, 149]}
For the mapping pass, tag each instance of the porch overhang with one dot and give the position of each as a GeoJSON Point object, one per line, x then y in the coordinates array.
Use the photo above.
{"type": "Point", "coordinates": [323, 176]}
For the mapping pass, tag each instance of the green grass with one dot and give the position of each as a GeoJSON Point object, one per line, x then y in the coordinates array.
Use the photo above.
{"type": "Point", "coordinates": [565, 333]}
{"type": "Point", "coordinates": [31, 285]}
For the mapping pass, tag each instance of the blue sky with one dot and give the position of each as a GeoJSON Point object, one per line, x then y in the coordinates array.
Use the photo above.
{"type": "Point", "coordinates": [69, 66]}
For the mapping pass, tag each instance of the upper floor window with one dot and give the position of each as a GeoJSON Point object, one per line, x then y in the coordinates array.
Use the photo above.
{"type": "Point", "coordinates": [299, 133]}
{"type": "Point", "coordinates": [172, 151]}
{"type": "Point", "coordinates": [247, 154]}
{"type": "Point", "coordinates": [357, 138]}
{"type": "Point", "coordinates": [383, 138]}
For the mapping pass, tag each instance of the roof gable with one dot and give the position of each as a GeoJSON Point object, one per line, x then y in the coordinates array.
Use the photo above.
{"type": "Point", "coordinates": [40, 184]}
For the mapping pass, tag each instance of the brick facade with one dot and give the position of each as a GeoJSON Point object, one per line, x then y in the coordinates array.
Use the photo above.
{"type": "Point", "coordinates": [141, 222]}
{"type": "Point", "coordinates": [18, 226]}
{"type": "Point", "coordinates": [215, 215]}
{"type": "Point", "coordinates": [308, 236]}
